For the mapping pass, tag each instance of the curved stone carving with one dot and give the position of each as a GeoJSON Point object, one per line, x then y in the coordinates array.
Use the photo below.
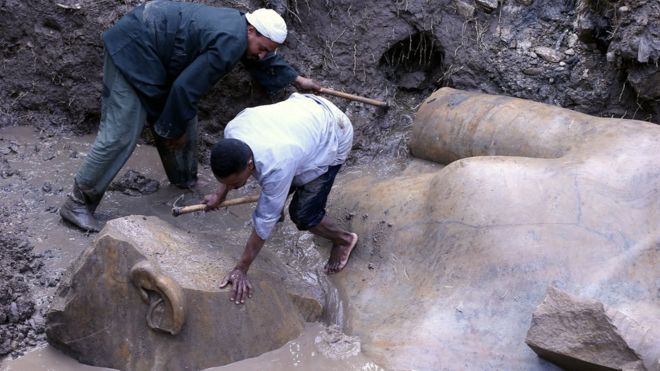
{"type": "Point", "coordinates": [454, 260]}
{"type": "Point", "coordinates": [163, 295]}
{"type": "Point", "coordinates": [97, 315]}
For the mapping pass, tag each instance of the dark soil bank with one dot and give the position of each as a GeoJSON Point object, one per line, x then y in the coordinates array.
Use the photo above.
{"type": "Point", "coordinates": [598, 57]}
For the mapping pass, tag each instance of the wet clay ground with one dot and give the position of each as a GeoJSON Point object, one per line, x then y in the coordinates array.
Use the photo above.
{"type": "Point", "coordinates": [305, 353]}
{"type": "Point", "coordinates": [37, 170]}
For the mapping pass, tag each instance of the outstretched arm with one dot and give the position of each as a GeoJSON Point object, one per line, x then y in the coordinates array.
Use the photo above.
{"type": "Point", "coordinates": [274, 191]}
{"type": "Point", "coordinates": [241, 286]}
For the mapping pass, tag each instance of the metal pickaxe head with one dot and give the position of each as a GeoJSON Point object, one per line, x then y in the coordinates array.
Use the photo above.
{"type": "Point", "coordinates": [174, 205]}
{"type": "Point", "coordinates": [178, 210]}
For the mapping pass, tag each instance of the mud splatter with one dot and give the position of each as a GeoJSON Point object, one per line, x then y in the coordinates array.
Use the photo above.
{"type": "Point", "coordinates": [334, 344]}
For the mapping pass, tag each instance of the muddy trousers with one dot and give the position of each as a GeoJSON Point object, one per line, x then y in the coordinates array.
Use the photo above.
{"type": "Point", "coordinates": [122, 119]}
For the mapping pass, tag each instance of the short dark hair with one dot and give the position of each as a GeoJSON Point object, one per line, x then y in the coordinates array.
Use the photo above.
{"type": "Point", "coordinates": [229, 156]}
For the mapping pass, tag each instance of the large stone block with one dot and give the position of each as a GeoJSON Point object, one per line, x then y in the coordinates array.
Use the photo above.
{"type": "Point", "coordinates": [146, 296]}
{"type": "Point", "coordinates": [453, 260]}
{"type": "Point", "coordinates": [584, 335]}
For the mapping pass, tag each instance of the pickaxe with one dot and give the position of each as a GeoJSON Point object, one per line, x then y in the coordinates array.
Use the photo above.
{"type": "Point", "coordinates": [356, 98]}
{"type": "Point", "coordinates": [180, 210]}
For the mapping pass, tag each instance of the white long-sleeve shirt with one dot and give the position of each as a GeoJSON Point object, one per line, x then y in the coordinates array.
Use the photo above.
{"type": "Point", "coordinates": [292, 142]}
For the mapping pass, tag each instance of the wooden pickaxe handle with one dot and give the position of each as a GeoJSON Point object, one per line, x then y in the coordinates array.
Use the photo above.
{"type": "Point", "coordinates": [176, 211]}
{"type": "Point", "coordinates": [357, 98]}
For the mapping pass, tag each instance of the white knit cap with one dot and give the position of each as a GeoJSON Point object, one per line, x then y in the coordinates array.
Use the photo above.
{"type": "Point", "coordinates": [268, 23]}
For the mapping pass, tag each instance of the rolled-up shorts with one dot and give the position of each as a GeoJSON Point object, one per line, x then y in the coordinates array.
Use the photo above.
{"type": "Point", "coordinates": [307, 207]}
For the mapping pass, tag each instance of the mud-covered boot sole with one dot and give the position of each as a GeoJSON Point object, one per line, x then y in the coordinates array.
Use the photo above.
{"type": "Point", "coordinates": [79, 215]}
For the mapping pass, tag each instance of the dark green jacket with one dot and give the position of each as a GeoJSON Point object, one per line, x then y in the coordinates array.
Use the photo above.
{"type": "Point", "coordinates": [173, 53]}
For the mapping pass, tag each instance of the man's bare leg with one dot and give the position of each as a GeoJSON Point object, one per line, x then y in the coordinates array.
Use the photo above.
{"type": "Point", "coordinates": [343, 243]}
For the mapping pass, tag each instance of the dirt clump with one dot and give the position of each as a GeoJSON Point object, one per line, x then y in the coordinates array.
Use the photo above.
{"type": "Point", "coordinates": [132, 183]}
{"type": "Point", "coordinates": [21, 324]}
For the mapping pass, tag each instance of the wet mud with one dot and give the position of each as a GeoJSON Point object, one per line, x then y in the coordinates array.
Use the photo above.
{"type": "Point", "coordinates": [303, 353]}
{"type": "Point", "coordinates": [21, 326]}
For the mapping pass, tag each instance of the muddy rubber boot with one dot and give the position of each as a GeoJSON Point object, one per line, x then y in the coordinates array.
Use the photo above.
{"type": "Point", "coordinates": [93, 202]}
{"type": "Point", "coordinates": [78, 210]}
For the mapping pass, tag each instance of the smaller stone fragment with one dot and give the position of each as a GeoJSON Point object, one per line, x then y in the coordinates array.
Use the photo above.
{"type": "Point", "coordinates": [488, 4]}
{"type": "Point", "coordinates": [581, 334]}
{"type": "Point", "coordinates": [548, 54]}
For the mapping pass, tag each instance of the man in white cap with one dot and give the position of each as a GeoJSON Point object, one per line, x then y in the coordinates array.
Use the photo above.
{"type": "Point", "coordinates": [160, 59]}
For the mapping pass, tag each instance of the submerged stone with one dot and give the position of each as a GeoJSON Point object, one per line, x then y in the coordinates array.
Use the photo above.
{"type": "Point", "coordinates": [146, 296]}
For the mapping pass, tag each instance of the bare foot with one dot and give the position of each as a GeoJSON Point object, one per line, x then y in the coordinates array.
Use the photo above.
{"type": "Point", "coordinates": [339, 256]}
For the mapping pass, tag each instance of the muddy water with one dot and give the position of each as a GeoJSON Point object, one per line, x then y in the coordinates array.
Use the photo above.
{"type": "Point", "coordinates": [307, 352]}
{"type": "Point", "coordinates": [47, 166]}
{"type": "Point", "coordinates": [46, 358]}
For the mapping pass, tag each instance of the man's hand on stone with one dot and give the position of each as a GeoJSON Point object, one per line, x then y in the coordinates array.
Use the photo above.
{"type": "Point", "coordinates": [304, 83]}
{"type": "Point", "coordinates": [241, 286]}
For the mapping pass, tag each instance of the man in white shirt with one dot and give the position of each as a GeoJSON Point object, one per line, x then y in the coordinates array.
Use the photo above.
{"type": "Point", "coordinates": [295, 146]}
